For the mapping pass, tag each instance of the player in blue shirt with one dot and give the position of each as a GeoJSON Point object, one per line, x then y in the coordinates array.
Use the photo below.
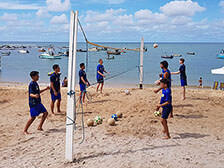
{"type": "Point", "coordinates": [36, 107]}
{"type": "Point", "coordinates": [183, 76]}
{"type": "Point", "coordinates": [55, 88]}
{"type": "Point", "coordinates": [100, 76]}
{"type": "Point", "coordinates": [83, 82]}
{"type": "Point", "coordinates": [166, 104]}
{"type": "Point", "coordinates": [166, 74]}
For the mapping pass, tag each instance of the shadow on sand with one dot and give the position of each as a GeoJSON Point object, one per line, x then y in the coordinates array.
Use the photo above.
{"type": "Point", "coordinates": [121, 152]}
{"type": "Point", "coordinates": [192, 116]}
{"type": "Point", "coordinates": [190, 135]}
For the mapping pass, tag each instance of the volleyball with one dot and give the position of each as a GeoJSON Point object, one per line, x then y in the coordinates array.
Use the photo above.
{"type": "Point", "coordinates": [90, 122]}
{"type": "Point", "coordinates": [157, 113]}
{"type": "Point", "coordinates": [114, 116]}
{"type": "Point", "coordinates": [119, 114]}
{"type": "Point", "coordinates": [127, 92]}
{"type": "Point", "coordinates": [111, 122]}
{"type": "Point", "coordinates": [155, 45]}
{"type": "Point", "coordinates": [98, 120]}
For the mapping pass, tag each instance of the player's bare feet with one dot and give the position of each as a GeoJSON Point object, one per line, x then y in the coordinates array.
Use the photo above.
{"type": "Point", "coordinates": [26, 132]}
{"type": "Point", "coordinates": [40, 129]}
{"type": "Point", "coordinates": [166, 137]}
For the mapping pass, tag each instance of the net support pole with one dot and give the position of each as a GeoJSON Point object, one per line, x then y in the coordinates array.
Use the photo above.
{"type": "Point", "coordinates": [141, 64]}
{"type": "Point", "coordinates": [71, 107]}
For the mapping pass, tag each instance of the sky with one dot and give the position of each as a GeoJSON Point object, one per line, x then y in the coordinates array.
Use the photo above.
{"type": "Point", "coordinates": [113, 20]}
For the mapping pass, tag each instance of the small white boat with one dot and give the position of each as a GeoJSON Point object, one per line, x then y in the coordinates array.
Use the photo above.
{"type": "Point", "coordinates": [176, 55]}
{"type": "Point", "coordinates": [6, 53]}
{"type": "Point", "coordinates": [49, 56]}
{"type": "Point", "coordinates": [93, 49]}
{"type": "Point", "coordinates": [23, 51]}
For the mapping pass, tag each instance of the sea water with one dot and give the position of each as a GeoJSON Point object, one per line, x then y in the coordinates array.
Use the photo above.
{"type": "Point", "coordinates": [16, 67]}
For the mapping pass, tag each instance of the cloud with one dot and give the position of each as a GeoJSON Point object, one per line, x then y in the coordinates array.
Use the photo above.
{"type": "Point", "coordinates": [43, 12]}
{"type": "Point", "coordinates": [9, 17]}
{"type": "Point", "coordinates": [110, 2]}
{"type": "Point", "coordinates": [108, 15]}
{"type": "Point", "coordinates": [221, 4]}
{"type": "Point", "coordinates": [58, 5]}
{"type": "Point", "coordinates": [181, 8]}
{"type": "Point", "coordinates": [17, 6]}
{"type": "Point", "coordinates": [62, 19]}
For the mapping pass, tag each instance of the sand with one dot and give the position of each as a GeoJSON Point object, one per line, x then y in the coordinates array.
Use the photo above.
{"type": "Point", "coordinates": [135, 141]}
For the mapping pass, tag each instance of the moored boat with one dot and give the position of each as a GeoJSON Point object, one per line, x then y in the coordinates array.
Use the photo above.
{"type": "Point", "coordinates": [191, 53]}
{"type": "Point", "coordinates": [23, 51]}
{"type": "Point", "coordinates": [42, 50]}
{"type": "Point", "coordinates": [167, 56]}
{"type": "Point", "coordinates": [48, 56]}
{"type": "Point", "coordinates": [116, 52]}
{"type": "Point", "coordinates": [176, 55]}
{"type": "Point", "coordinates": [221, 54]}
{"type": "Point", "coordinates": [6, 53]}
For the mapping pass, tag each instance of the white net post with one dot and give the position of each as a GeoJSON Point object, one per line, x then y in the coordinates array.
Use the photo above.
{"type": "Point", "coordinates": [141, 64]}
{"type": "Point", "coordinates": [71, 107]}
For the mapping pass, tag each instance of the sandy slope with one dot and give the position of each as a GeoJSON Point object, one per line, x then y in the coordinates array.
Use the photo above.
{"type": "Point", "coordinates": [196, 129]}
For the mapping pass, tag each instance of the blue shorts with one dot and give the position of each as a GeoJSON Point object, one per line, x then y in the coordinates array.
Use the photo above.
{"type": "Point", "coordinates": [183, 82]}
{"type": "Point", "coordinates": [82, 87]}
{"type": "Point", "coordinates": [54, 98]}
{"type": "Point", "coordinates": [101, 80]}
{"type": "Point", "coordinates": [36, 110]}
{"type": "Point", "coordinates": [166, 111]}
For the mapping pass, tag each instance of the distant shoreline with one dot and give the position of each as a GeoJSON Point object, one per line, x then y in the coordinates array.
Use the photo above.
{"type": "Point", "coordinates": [108, 85]}
{"type": "Point", "coordinates": [116, 42]}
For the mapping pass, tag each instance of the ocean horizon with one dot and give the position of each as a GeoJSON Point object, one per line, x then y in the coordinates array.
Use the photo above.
{"type": "Point", "coordinates": [16, 67]}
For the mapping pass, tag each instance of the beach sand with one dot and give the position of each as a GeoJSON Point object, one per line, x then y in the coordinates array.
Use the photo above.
{"type": "Point", "coordinates": [196, 130]}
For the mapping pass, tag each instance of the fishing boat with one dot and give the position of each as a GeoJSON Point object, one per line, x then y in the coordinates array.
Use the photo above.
{"type": "Point", "coordinates": [93, 49]}
{"type": "Point", "coordinates": [138, 49]}
{"type": "Point", "coordinates": [167, 56]}
{"type": "Point", "coordinates": [23, 51]}
{"type": "Point", "coordinates": [64, 54]}
{"type": "Point", "coordinates": [176, 55]}
{"type": "Point", "coordinates": [6, 53]}
{"type": "Point", "coordinates": [191, 53]}
{"type": "Point", "coordinates": [81, 50]}
{"type": "Point", "coordinates": [48, 56]}
{"type": "Point", "coordinates": [116, 52]}
{"type": "Point", "coordinates": [221, 54]}
{"type": "Point", "coordinates": [42, 50]}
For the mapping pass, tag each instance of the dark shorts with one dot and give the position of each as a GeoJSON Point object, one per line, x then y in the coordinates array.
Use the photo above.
{"type": "Point", "coordinates": [36, 110]}
{"type": "Point", "coordinates": [100, 80]}
{"type": "Point", "coordinates": [166, 111]}
{"type": "Point", "coordinates": [183, 82]}
{"type": "Point", "coordinates": [82, 87]}
{"type": "Point", "coordinates": [54, 98]}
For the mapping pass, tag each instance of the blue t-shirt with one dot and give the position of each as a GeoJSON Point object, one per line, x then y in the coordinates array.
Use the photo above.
{"type": "Point", "coordinates": [168, 71]}
{"type": "Point", "coordinates": [34, 89]}
{"type": "Point", "coordinates": [100, 68]}
{"type": "Point", "coordinates": [182, 70]}
{"type": "Point", "coordinates": [82, 73]}
{"type": "Point", "coordinates": [166, 97]}
{"type": "Point", "coordinates": [55, 79]}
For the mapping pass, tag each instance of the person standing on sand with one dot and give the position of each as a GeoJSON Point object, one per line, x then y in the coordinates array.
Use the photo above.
{"type": "Point", "coordinates": [100, 76]}
{"type": "Point", "coordinates": [166, 104]}
{"type": "Point", "coordinates": [165, 75]}
{"type": "Point", "coordinates": [83, 83]}
{"type": "Point", "coordinates": [183, 76]}
{"type": "Point", "coordinates": [55, 88]}
{"type": "Point", "coordinates": [36, 107]}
